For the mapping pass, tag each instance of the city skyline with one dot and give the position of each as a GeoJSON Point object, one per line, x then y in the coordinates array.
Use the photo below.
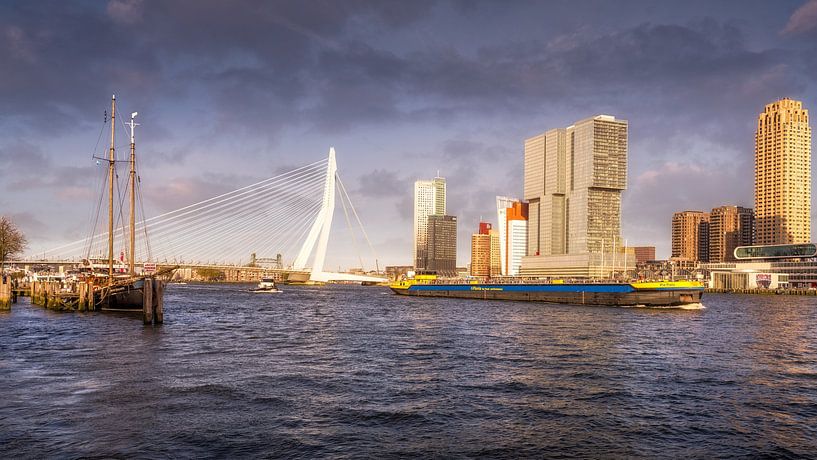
{"type": "Point", "coordinates": [401, 90]}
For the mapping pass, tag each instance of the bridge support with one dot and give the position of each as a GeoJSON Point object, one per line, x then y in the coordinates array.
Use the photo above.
{"type": "Point", "coordinates": [322, 225]}
{"type": "Point", "coordinates": [319, 233]}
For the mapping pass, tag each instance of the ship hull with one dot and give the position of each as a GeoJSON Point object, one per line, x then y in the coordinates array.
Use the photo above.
{"type": "Point", "coordinates": [129, 297]}
{"type": "Point", "coordinates": [579, 294]}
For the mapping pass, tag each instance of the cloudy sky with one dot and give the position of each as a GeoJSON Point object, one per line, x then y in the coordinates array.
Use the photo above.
{"type": "Point", "coordinates": [233, 92]}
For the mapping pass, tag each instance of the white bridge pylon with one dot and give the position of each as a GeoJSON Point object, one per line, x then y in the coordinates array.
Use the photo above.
{"type": "Point", "coordinates": [319, 233]}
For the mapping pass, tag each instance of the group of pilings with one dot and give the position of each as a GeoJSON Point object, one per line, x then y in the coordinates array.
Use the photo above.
{"type": "Point", "coordinates": [52, 295]}
{"type": "Point", "coordinates": [83, 296]}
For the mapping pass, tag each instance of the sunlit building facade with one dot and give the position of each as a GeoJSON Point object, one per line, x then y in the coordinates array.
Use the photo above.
{"type": "Point", "coordinates": [429, 199]}
{"type": "Point", "coordinates": [783, 174]}
{"type": "Point", "coordinates": [485, 254]}
{"type": "Point", "coordinates": [574, 178]}
{"type": "Point", "coordinates": [729, 227]}
{"type": "Point", "coordinates": [690, 236]}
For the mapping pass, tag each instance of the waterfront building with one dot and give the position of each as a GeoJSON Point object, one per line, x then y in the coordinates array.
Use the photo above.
{"type": "Point", "coordinates": [690, 236]}
{"type": "Point", "coordinates": [517, 237]}
{"type": "Point", "coordinates": [783, 174]}
{"type": "Point", "coordinates": [766, 267]}
{"type": "Point", "coordinates": [729, 227]}
{"type": "Point", "coordinates": [429, 199]}
{"type": "Point", "coordinates": [644, 254]}
{"type": "Point", "coordinates": [485, 254]}
{"type": "Point", "coordinates": [573, 182]}
{"type": "Point", "coordinates": [442, 245]}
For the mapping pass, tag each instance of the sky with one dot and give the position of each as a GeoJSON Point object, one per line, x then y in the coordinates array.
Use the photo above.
{"type": "Point", "coordinates": [230, 93]}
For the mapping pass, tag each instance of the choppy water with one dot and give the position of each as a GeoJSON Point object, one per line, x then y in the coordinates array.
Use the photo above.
{"type": "Point", "coordinates": [358, 372]}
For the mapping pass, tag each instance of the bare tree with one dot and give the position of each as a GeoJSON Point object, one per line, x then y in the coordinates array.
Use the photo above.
{"type": "Point", "coordinates": [12, 240]}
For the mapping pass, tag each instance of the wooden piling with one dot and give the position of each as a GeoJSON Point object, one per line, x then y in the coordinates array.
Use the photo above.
{"type": "Point", "coordinates": [147, 301]}
{"type": "Point", "coordinates": [160, 300]}
{"type": "Point", "coordinates": [5, 293]}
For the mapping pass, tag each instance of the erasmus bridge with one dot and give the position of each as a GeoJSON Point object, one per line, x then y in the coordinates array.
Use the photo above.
{"type": "Point", "coordinates": [289, 214]}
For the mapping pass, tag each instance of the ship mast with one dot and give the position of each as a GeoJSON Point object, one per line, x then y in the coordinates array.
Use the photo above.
{"type": "Point", "coordinates": [132, 254]}
{"type": "Point", "coordinates": [111, 160]}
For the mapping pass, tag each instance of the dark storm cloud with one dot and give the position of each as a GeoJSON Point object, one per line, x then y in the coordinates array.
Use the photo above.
{"type": "Point", "coordinates": [457, 85]}
{"type": "Point", "coordinates": [29, 168]}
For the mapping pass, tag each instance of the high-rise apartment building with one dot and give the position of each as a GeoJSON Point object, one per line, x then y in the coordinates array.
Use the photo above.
{"type": "Point", "coordinates": [690, 236]}
{"type": "Point", "coordinates": [729, 227]}
{"type": "Point", "coordinates": [574, 178]}
{"type": "Point", "coordinates": [643, 254]}
{"type": "Point", "coordinates": [429, 199]}
{"type": "Point", "coordinates": [442, 245]}
{"type": "Point", "coordinates": [783, 174]}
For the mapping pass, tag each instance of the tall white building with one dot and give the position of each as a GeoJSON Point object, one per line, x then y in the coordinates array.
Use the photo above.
{"type": "Point", "coordinates": [429, 200]}
{"type": "Point", "coordinates": [517, 245]}
{"type": "Point", "coordinates": [502, 205]}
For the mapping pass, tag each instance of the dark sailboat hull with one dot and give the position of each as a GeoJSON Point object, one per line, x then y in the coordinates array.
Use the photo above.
{"type": "Point", "coordinates": [128, 297]}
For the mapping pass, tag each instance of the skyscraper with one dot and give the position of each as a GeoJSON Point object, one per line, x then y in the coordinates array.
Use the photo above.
{"type": "Point", "coordinates": [429, 199]}
{"type": "Point", "coordinates": [729, 227]}
{"type": "Point", "coordinates": [783, 174]}
{"type": "Point", "coordinates": [574, 178]}
{"type": "Point", "coordinates": [690, 236]}
{"type": "Point", "coordinates": [442, 245]}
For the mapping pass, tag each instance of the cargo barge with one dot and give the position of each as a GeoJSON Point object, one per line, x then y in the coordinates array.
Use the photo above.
{"type": "Point", "coordinates": [648, 294]}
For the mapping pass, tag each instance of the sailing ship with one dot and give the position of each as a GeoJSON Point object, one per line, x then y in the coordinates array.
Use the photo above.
{"type": "Point", "coordinates": [121, 288]}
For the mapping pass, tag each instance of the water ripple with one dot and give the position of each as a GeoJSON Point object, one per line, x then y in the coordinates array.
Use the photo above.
{"type": "Point", "coordinates": [356, 372]}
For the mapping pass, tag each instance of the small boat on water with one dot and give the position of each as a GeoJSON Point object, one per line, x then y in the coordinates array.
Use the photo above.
{"type": "Point", "coordinates": [648, 294]}
{"type": "Point", "coordinates": [266, 285]}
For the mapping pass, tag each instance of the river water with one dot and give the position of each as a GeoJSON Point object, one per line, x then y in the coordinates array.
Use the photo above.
{"type": "Point", "coordinates": [348, 371]}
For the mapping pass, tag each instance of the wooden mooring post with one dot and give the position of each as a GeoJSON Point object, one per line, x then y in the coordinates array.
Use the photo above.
{"type": "Point", "coordinates": [153, 301]}
{"type": "Point", "coordinates": [5, 292]}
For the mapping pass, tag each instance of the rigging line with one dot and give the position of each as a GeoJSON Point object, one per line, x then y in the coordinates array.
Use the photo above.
{"type": "Point", "coordinates": [92, 230]}
{"type": "Point", "coordinates": [195, 214]}
{"type": "Point", "coordinates": [230, 207]}
{"type": "Point", "coordinates": [235, 191]}
{"type": "Point", "coordinates": [105, 233]}
{"type": "Point", "coordinates": [91, 211]}
{"type": "Point", "coordinates": [362, 229]}
{"type": "Point", "coordinates": [213, 217]}
{"type": "Point", "coordinates": [193, 243]}
{"type": "Point", "coordinates": [351, 230]}
{"type": "Point", "coordinates": [138, 179]}
{"type": "Point", "coordinates": [295, 222]}
{"type": "Point", "coordinates": [301, 237]}
{"type": "Point", "coordinates": [288, 243]}
{"type": "Point", "coordinates": [251, 244]}
{"type": "Point", "coordinates": [121, 217]}
{"type": "Point", "coordinates": [212, 222]}
{"type": "Point", "coordinates": [223, 203]}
